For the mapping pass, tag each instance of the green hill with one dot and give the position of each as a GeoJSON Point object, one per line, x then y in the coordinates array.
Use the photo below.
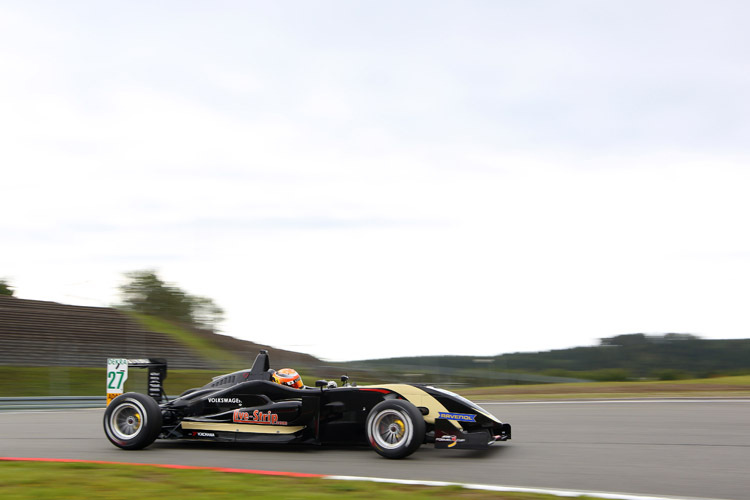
{"type": "Point", "coordinates": [60, 349]}
{"type": "Point", "coordinates": [41, 333]}
{"type": "Point", "coordinates": [668, 357]}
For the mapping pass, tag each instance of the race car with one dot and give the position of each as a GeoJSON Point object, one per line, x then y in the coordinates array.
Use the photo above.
{"type": "Point", "coordinates": [251, 406]}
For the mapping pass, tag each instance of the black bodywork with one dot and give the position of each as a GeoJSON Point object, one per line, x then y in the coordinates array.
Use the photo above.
{"type": "Point", "coordinates": [247, 406]}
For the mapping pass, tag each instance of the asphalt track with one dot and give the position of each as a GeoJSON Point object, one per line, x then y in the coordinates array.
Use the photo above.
{"type": "Point", "coordinates": [683, 448]}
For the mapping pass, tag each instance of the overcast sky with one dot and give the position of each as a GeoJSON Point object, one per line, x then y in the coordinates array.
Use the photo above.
{"type": "Point", "coordinates": [369, 179]}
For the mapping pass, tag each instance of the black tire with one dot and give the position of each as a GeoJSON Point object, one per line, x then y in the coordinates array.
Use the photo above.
{"type": "Point", "coordinates": [132, 421]}
{"type": "Point", "coordinates": [395, 428]}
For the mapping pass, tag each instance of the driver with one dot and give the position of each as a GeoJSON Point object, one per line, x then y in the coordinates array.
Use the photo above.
{"type": "Point", "coordinates": [288, 377]}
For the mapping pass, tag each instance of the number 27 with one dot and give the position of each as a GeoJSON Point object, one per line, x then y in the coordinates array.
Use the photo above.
{"type": "Point", "coordinates": [112, 376]}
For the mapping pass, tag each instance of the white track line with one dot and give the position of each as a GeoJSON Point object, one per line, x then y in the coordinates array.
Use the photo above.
{"type": "Point", "coordinates": [515, 489]}
{"type": "Point", "coordinates": [485, 487]}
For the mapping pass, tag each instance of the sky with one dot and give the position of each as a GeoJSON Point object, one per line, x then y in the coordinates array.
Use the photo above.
{"type": "Point", "coordinates": [363, 179]}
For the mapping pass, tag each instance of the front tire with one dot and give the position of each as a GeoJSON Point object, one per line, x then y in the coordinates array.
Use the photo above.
{"type": "Point", "coordinates": [395, 428]}
{"type": "Point", "coordinates": [132, 421]}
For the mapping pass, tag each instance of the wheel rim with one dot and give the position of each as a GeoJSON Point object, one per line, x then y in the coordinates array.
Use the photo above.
{"type": "Point", "coordinates": [391, 429]}
{"type": "Point", "coordinates": [127, 421]}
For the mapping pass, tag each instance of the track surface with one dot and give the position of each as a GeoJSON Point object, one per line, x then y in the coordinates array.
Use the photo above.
{"type": "Point", "coordinates": [692, 448]}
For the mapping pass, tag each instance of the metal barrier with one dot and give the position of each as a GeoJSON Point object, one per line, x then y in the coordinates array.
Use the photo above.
{"type": "Point", "coordinates": [55, 402]}
{"type": "Point", "coordinates": [52, 402]}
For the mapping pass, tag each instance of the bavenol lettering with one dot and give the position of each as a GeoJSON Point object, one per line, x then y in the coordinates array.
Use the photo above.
{"type": "Point", "coordinates": [461, 417]}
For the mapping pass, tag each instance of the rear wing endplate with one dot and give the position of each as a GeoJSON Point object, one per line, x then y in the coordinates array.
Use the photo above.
{"type": "Point", "coordinates": [117, 374]}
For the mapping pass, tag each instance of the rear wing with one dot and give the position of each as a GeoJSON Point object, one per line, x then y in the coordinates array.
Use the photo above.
{"type": "Point", "coordinates": [117, 374]}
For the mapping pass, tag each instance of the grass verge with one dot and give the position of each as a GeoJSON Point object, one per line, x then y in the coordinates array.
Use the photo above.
{"type": "Point", "coordinates": [74, 381]}
{"type": "Point", "coordinates": [37, 480]}
{"type": "Point", "coordinates": [709, 387]}
{"type": "Point", "coordinates": [18, 381]}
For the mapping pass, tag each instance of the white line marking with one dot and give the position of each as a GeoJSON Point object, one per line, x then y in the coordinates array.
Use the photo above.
{"type": "Point", "coordinates": [489, 487]}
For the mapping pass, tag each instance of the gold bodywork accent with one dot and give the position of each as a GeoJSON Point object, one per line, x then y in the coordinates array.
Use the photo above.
{"type": "Point", "coordinates": [478, 410]}
{"type": "Point", "coordinates": [253, 428]}
{"type": "Point", "coordinates": [417, 397]}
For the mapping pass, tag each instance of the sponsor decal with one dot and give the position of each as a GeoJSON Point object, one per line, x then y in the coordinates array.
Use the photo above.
{"type": "Point", "coordinates": [461, 417]}
{"type": "Point", "coordinates": [453, 440]}
{"type": "Point", "coordinates": [256, 417]}
{"type": "Point", "coordinates": [225, 400]}
{"type": "Point", "coordinates": [117, 374]}
{"type": "Point", "coordinates": [202, 434]}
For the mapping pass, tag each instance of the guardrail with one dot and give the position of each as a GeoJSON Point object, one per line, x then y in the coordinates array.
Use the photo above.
{"type": "Point", "coordinates": [55, 402]}
{"type": "Point", "coordinates": [52, 402]}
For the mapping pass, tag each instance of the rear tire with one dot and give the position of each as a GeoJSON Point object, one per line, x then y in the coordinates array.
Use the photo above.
{"type": "Point", "coordinates": [395, 428]}
{"type": "Point", "coordinates": [132, 421]}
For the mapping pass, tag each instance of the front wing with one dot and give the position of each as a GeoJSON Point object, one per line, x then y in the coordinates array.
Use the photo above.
{"type": "Point", "coordinates": [448, 436]}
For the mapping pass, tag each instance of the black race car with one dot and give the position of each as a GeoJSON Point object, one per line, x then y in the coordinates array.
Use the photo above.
{"type": "Point", "coordinates": [247, 406]}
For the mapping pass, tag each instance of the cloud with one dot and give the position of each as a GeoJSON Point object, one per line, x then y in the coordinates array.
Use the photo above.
{"type": "Point", "coordinates": [385, 180]}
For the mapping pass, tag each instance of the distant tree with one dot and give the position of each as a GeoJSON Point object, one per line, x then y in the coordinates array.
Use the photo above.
{"type": "Point", "coordinates": [206, 313]}
{"type": "Point", "coordinates": [146, 293]}
{"type": "Point", "coordinates": [679, 337]}
{"type": "Point", "coordinates": [5, 288]}
{"type": "Point", "coordinates": [630, 339]}
{"type": "Point", "coordinates": [640, 339]}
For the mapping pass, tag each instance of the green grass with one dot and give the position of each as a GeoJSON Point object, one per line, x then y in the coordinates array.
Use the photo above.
{"type": "Point", "coordinates": [47, 381]}
{"type": "Point", "coordinates": [75, 381]}
{"type": "Point", "coordinates": [32, 480]}
{"type": "Point", "coordinates": [203, 347]}
{"type": "Point", "coordinates": [718, 386]}
{"type": "Point", "coordinates": [17, 381]}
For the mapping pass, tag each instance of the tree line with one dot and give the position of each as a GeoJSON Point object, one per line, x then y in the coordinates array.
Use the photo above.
{"type": "Point", "coordinates": [624, 357]}
{"type": "Point", "coordinates": [5, 288]}
{"type": "Point", "coordinates": [146, 293]}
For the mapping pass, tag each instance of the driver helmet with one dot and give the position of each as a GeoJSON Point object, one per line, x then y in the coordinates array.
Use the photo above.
{"type": "Point", "coordinates": [288, 377]}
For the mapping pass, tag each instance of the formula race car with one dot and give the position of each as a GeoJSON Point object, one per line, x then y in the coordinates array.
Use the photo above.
{"type": "Point", "coordinates": [250, 406]}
